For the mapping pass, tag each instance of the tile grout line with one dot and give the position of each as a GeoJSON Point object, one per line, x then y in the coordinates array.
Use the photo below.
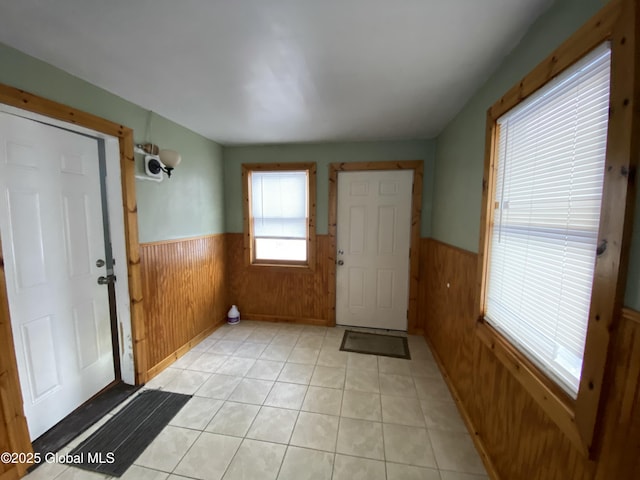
{"type": "Point", "coordinates": [299, 410]}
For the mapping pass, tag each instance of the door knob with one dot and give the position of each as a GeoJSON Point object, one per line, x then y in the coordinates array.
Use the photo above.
{"type": "Point", "coordinates": [106, 280]}
{"type": "Point", "coordinates": [99, 263]}
{"type": "Point", "coordinates": [340, 262]}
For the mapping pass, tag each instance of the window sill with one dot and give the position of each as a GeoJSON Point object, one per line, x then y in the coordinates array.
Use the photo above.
{"type": "Point", "coordinates": [281, 267]}
{"type": "Point", "coordinates": [555, 403]}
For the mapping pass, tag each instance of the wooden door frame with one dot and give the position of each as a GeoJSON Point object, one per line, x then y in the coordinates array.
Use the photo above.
{"type": "Point", "coordinates": [10, 394]}
{"type": "Point", "coordinates": [414, 248]}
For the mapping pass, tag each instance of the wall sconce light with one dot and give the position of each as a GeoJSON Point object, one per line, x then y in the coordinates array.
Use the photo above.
{"type": "Point", "coordinates": [167, 160]}
{"type": "Point", "coordinates": [157, 161]}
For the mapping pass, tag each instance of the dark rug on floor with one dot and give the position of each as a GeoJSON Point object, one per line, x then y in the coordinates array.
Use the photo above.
{"type": "Point", "coordinates": [116, 445]}
{"type": "Point", "coordinates": [82, 418]}
{"type": "Point", "coordinates": [375, 344]}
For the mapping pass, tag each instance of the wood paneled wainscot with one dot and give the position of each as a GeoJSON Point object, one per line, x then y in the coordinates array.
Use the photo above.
{"type": "Point", "coordinates": [281, 294]}
{"type": "Point", "coordinates": [515, 436]}
{"type": "Point", "coordinates": [185, 295]}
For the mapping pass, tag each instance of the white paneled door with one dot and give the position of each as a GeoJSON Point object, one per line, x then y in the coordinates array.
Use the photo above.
{"type": "Point", "coordinates": [52, 236]}
{"type": "Point", "coordinates": [373, 241]}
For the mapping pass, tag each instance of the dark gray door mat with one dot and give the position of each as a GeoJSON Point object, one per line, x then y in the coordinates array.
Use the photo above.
{"type": "Point", "coordinates": [115, 446]}
{"type": "Point", "coordinates": [81, 419]}
{"type": "Point", "coordinates": [375, 344]}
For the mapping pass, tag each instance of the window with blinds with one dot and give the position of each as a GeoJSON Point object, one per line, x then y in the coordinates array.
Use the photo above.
{"type": "Point", "coordinates": [279, 213]}
{"type": "Point", "coordinates": [548, 191]}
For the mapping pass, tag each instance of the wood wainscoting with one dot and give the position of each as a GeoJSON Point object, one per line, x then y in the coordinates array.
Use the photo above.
{"type": "Point", "coordinates": [280, 294]}
{"type": "Point", "coordinates": [185, 295]}
{"type": "Point", "coordinates": [514, 435]}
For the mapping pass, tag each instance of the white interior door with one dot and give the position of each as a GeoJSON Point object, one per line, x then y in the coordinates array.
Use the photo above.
{"type": "Point", "coordinates": [52, 236]}
{"type": "Point", "coordinates": [373, 241]}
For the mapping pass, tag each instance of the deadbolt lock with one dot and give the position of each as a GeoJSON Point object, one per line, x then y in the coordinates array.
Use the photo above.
{"type": "Point", "coordinates": [106, 280]}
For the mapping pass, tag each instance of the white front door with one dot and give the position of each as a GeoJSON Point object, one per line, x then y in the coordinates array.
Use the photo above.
{"type": "Point", "coordinates": [52, 235]}
{"type": "Point", "coordinates": [373, 241]}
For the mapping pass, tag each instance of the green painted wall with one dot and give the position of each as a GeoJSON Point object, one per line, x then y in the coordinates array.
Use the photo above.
{"type": "Point", "coordinates": [191, 203]}
{"type": "Point", "coordinates": [460, 147]}
{"type": "Point", "coordinates": [324, 154]}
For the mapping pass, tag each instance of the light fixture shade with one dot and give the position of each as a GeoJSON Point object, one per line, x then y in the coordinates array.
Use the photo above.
{"type": "Point", "coordinates": [170, 158]}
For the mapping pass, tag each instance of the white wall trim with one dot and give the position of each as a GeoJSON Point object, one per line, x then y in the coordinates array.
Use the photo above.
{"type": "Point", "coordinates": [116, 223]}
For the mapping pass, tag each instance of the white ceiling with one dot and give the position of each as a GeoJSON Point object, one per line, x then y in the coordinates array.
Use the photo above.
{"type": "Point", "coordinates": [275, 71]}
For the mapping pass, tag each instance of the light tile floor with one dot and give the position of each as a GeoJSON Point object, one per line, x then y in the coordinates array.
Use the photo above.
{"type": "Point", "coordinates": [274, 401]}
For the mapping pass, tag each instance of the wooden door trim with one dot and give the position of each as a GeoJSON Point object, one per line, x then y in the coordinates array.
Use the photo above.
{"type": "Point", "coordinates": [414, 249]}
{"type": "Point", "coordinates": [11, 403]}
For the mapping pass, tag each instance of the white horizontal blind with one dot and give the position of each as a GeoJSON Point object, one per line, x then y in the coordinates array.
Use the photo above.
{"type": "Point", "coordinates": [550, 168]}
{"type": "Point", "coordinates": [279, 206]}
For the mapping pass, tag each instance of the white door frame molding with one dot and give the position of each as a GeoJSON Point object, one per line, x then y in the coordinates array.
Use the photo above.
{"type": "Point", "coordinates": [416, 209]}
{"type": "Point", "coordinates": [53, 208]}
{"type": "Point", "coordinates": [17, 434]}
{"type": "Point", "coordinates": [116, 224]}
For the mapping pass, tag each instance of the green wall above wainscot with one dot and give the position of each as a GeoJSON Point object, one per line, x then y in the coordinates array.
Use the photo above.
{"type": "Point", "coordinates": [191, 203]}
{"type": "Point", "coordinates": [323, 154]}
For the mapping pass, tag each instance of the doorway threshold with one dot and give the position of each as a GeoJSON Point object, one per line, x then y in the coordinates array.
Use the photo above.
{"type": "Point", "coordinates": [83, 417]}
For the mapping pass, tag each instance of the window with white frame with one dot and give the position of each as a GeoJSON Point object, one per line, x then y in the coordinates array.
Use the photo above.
{"type": "Point", "coordinates": [279, 212]}
{"type": "Point", "coordinates": [547, 197]}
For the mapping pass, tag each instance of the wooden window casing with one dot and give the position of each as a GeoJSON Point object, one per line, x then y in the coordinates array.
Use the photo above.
{"type": "Point", "coordinates": [616, 23]}
{"type": "Point", "coordinates": [249, 240]}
